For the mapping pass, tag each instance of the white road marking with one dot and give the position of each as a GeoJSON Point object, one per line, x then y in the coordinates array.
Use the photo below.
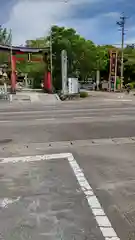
{"type": "Point", "coordinates": [126, 100]}
{"type": "Point", "coordinates": [68, 110]}
{"type": "Point", "coordinates": [25, 120]}
{"type": "Point", "coordinates": [6, 201]}
{"type": "Point", "coordinates": [68, 120]}
{"type": "Point", "coordinates": [34, 158]}
{"type": "Point", "coordinates": [87, 117]}
{"type": "Point", "coordinates": [120, 96]}
{"type": "Point", "coordinates": [118, 100]}
{"type": "Point", "coordinates": [102, 220]}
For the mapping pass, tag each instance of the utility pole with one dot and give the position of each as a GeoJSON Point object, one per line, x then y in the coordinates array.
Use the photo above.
{"type": "Point", "coordinates": [13, 66]}
{"type": "Point", "coordinates": [11, 50]}
{"type": "Point", "coordinates": [51, 66]}
{"type": "Point", "coordinates": [11, 62]}
{"type": "Point", "coordinates": [121, 24]}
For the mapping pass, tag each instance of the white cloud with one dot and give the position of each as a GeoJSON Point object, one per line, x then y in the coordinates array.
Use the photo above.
{"type": "Point", "coordinates": [130, 40]}
{"type": "Point", "coordinates": [32, 19]}
{"type": "Point", "coordinates": [113, 15]}
{"type": "Point", "coordinates": [91, 28]}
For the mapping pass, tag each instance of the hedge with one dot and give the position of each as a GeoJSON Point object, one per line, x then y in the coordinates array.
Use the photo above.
{"type": "Point", "coordinates": [84, 94]}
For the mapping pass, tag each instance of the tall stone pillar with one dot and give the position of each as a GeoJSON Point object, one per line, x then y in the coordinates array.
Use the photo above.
{"type": "Point", "coordinates": [13, 73]}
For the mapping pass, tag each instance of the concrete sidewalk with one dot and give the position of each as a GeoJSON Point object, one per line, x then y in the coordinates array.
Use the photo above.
{"type": "Point", "coordinates": [110, 94]}
{"type": "Point", "coordinates": [36, 97]}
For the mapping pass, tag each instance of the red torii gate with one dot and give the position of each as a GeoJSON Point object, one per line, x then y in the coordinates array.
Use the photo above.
{"type": "Point", "coordinates": [47, 83]}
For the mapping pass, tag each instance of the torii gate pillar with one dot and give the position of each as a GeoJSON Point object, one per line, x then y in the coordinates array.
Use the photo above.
{"type": "Point", "coordinates": [47, 82]}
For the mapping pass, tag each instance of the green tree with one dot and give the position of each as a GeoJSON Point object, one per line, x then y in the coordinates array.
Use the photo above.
{"type": "Point", "coordinates": [81, 54]}
{"type": "Point", "coordinates": [37, 43]}
{"type": "Point", "coordinates": [5, 36]}
{"type": "Point", "coordinates": [84, 57]}
{"type": "Point", "coordinates": [5, 39]}
{"type": "Point", "coordinates": [35, 71]}
{"type": "Point", "coordinates": [129, 63]}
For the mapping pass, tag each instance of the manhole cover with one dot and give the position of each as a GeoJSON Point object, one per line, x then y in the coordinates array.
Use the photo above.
{"type": "Point", "coordinates": [7, 140]}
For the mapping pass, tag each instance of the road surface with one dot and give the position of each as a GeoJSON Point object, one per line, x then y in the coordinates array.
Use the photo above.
{"type": "Point", "coordinates": [67, 171]}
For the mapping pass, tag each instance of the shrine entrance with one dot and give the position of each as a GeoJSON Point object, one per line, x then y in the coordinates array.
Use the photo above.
{"type": "Point", "coordinates": [14, 52]}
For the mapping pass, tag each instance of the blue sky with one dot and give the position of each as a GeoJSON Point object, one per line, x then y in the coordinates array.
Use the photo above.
{"type": "Point", "coordinates": [93, 19]}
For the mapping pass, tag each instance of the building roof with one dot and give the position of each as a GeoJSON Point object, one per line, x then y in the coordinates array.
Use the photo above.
{"type": "Point", "coordinates": [22, 49]}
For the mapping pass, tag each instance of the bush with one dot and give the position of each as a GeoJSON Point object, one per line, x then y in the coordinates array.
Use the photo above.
{"type": "Point", "coordinates": [84, 94]}
{"type": "Point", "coordinates": [37, 82]}
{"type": "Point", "coordinates": [132, 85]}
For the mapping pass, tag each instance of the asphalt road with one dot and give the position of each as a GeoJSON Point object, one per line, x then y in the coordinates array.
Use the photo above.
{"type": "Point", "coordinates": [67, 122]}
{"type": "Point", "coordinates": [82, 184]}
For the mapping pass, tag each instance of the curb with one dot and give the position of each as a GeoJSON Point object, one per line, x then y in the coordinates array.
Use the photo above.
{"type": "Point", "coordinates": [57, 97]}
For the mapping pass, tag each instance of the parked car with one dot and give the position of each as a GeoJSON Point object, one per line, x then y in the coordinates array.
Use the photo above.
{"type": "Point", "coordinates": [87, 86]}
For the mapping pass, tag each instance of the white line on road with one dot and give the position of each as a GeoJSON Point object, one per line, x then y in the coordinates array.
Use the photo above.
{"type": "Point", "coordinates": [93, 202]}
{"type": "Point", "coordinates": [118, 100]}
{"type": "Point", "coordinates": [66, 110]}
{"type": "Point", "coordinates": [34, 158]}
{"type": "Point", "coordinates": [6, 201]}
{"type": "Point", "coordinates": [59, 120]}
{"type": "Point", "coordinates": [102, 220]}
{"type": "Point", "coordinates": [27, 120]}
{"type": "Point", "coordinates": [79, 117]}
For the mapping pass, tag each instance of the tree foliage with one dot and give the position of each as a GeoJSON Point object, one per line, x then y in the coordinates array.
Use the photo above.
{"type": "Point", "coordinates": [81, 54]}
{"type": "Point", "coordinates": [5, 36]}
{"type": "Point", "coordinates": [84, 57]}
{"type": "Point", "coordinates": [5, 39]}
